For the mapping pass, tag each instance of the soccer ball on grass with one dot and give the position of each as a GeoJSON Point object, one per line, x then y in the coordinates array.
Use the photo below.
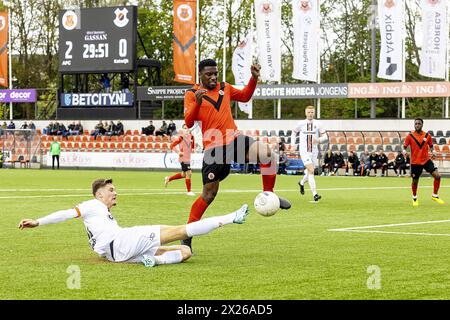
{"type": "Point", "coordinates": [267, 203]}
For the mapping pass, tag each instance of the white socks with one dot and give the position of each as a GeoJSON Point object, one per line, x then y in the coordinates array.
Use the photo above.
{"type": "Point", "coordinates": [312, 183]}
{"type": "Point", "coordinates": [169, 257]}
{"type": "Point", "coordinates": [209, 224]}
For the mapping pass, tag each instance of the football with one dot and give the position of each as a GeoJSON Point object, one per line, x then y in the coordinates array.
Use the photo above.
{"type": "Point", "coordinates": [267, 203]}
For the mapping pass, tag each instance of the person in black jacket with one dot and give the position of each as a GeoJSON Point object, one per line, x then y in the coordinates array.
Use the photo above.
{"type": "Point", "coordinates": [400, 164]}
{"type": "Point", "coordinates": [327, 162]}
{"type": "Point", "coordinates": [338, 162]}
{"type": "Point", "coordinates": [352, 162]}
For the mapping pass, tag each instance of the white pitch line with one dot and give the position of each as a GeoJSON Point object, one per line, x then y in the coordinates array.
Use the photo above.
{"type": "Point", "coordinates": [389, 225]}
{"type": "Point", "coordinates": [396, 232]}
{"type": "Point", "coordinates": [364, 229]}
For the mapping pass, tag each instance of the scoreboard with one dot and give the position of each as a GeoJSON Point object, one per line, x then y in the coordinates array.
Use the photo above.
{"type": "Point", "coordinates": [97, 40]}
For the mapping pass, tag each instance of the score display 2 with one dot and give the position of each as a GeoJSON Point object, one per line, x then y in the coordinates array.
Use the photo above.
{"type": "Point", "coordinates": [97, 39]}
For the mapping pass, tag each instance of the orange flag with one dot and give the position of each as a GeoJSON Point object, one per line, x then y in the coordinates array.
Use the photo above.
{"type": "Point", "coordinates": [184, 24]}
{"type": "Point", "coordinates": [4, 26]}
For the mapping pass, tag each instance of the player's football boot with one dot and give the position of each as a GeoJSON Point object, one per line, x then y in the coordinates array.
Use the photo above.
{"type": "Point", "coordinates": [149, 261]}
{"type": "Point", "coordinates": [166, 181]}
{"type": "Point", "coordinates": [241, 214]}
{"type": "Point", "coordinates": [437, 199]}
{"type": "Point", "coordinates": [284, 204]}
{"type": "Point", "coordinates": [190, 193]}
{"type": "Point", "coordinates": [302, 188]}
{"type": "Point", "coordinates": [415, 202]}
{"type": "Point", "coordinates": [317, 197]}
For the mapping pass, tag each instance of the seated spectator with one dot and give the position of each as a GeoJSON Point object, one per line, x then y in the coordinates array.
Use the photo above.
{"type": "Point", "coordinates": [352, 162]}
{"type": "Point", "coordinates": [98, 130]}
{"type": "Point", "coordinates": [4, 125]}
{"type": "Point", "coordinates": [171, 128]}
{"type": "Point", "coordinates": [54, 129]}
{"type": "Point", "coordinates": [327, 162]}
{"type": "Point", "coordinates": [120, 131]}
{"type": "Point", "coordinates": [11, 125]}
{"type": "Point", "coordinates": [24, 125]}
{"type": "Point", "coordinates": [71, 128]}
{"type": "Point", "coordinates": [372, 163]}
{"type": "Point", "coordinates": [163, 130]}
{"type": "Point", "coordinates": [364, 163]}
{"type": "Point", "coordinates": [282, 146]}
{"type": "Point", "coordinates": [79, 128]}
{"type": "Point", "coordinates": [407, 160]}
{"type": "Point", "coordinates": [380, 162]}
{"type": "Point", "coordinates": [47, 129]}
{"type": "Point", "coordinates": [111, 129]}
{"type": "Point", "coordinates": [62, 131]}
{"type": "Point", "coordinates": [31, 126]}
{"type": "Point", "coordinates": [400, 164]}
{"type": "Point", "coordinates": [149, 130]}
{"type": "Point", "coordinates": [338, 162]}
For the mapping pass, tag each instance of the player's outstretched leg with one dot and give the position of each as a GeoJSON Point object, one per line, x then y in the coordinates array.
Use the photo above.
{"type": "Point", "coordinates": [302, 182]}
{"type": "Point", "coordinates": [267, 164]}
{"type": "Point", "coordinates": [171, 178]}
{"type": "Point", "coordinates": [414, 186]}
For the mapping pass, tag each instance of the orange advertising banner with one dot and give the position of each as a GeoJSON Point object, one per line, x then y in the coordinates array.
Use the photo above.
{"type": "Point", "coordinates": [399, 89]}
{"type": "Point", "coordinates": [184, 29]}
{"type": "Point", "coordinates": [4, 26]}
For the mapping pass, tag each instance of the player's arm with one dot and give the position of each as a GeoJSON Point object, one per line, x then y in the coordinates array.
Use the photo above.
{"type": "Point", "coordinates": [173, 145]}
{"type": "Point", "coordinates": [55, 217]}
{"type": "Point", "coordinates": [323, 137]}
{"type": "Point", "coordinates": [433, 153]}
{"type": "Point", "coordinates": [407, 142]}
{"type": "Point", "coordinates": [192, 103]}
{"type": "Point", "coordinates": [294, 137]}
{"type": "Point", "coordinates": [246, 93]}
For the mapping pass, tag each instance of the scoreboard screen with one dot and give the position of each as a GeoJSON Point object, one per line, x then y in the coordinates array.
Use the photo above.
{"type": "Point", "coordinates": [97, 40]}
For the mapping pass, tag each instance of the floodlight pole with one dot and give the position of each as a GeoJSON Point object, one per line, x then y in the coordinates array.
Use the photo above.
{"type": "Point", "coordinates": [10, 62]}
{"type": "Point", "coordinates": [373, 103]}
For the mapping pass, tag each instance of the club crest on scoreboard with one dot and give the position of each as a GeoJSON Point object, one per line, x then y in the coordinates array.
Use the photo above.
{"type": "Point", "coordinates": [121, 19]}
{"type": "Point", "coordinates": [69, 20]}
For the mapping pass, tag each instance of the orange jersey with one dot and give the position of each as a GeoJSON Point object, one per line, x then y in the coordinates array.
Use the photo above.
{"type": "Point", "coordinates": [420, 145]}
{"type": "Point", "coordinates": [185, 144]}
{"type": "Point", "coordinates": [218, 127]}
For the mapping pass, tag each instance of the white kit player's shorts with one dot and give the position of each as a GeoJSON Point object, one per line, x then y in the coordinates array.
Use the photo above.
{"type": "Point", "coordinates": [309, 158]}
{"type": "Point", "coordinates": [131, 244]}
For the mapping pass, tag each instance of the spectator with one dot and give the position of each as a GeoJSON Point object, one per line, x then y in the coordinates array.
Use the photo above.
{"type": "Point", "coordinates": [338, 162]}
{"type": "Point", "coordinates": [55, 151]}
{"type": "Point", "coordinates": [24, 125]}
{"type": "Point", "coordinates": [71, 128]}
{"type": "Point", "coordinates": [364, 163]}
{"type": "Point", "coordinates": [47, 129]}
{"type": "Point", "coordinates": [407, 160]}
{"type": "Point", "coordinates": [352, 162]}
{"type": "Point", "coordinates": [4, 125]}
{"type": "Point", "coordinates": [372, 163]}
{"type": "Point", "coordinates": [98, 130]}
{"type": "Point", "coordinates": [149, 130]}
{"type": "Point", "coordinates": [31, 126]}
{"type": "Point", "coordinates": [54, 129]}
{"type": "Point", "coordinates": [400, 164]}
{"type": "Point", "coordinates": [119, 128]}
{"type": "Point", "coordinates": [163, 130]}
{"type": "Point", "coordinates": [327, 162]}
{"type": "Point", "coordinates": [11, 125]}
{"type": "Point", "coordinates": [282, 163]}
{"type": "Point", "coordinates": [381, 162]}
{"type": "Point", "coordinates": [105, 82]}
{"type": "Point", "coordinates": [111, 129]}
{"type": "Point", "coordinates": [171, 128]}
{"type": "Point", "coordinates": [62, 131]}
{"type": "Point", "coordinates": [281, 146]}
{"type": "Point", "coordinates": [79, 128]}
{"type": "Point", "coordinates": [1, 157]}
{"type": "Point", "coordinates": [125, 82]}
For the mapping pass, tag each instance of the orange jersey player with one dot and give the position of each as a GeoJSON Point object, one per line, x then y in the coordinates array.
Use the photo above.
{"type": "Point", "coordinates": [210, 103]}
{"type": "Point", "coordinates": [421, 144]}
{"type": "Point", "coordinates": [183, 144]}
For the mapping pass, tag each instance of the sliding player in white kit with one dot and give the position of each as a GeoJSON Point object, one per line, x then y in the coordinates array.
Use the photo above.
{"type": "Point", "coordinates": [141, 244]}
{"type": "Point", "coordinates": [311, 134]}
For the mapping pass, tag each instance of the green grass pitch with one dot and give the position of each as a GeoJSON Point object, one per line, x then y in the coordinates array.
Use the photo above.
{"type": "Point", "coordinates": [291, 255]}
